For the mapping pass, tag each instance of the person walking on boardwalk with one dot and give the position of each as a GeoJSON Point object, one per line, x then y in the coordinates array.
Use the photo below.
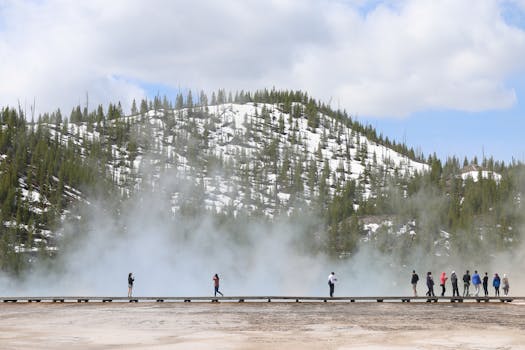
{"type": "Point", "coordinates": [131, 279]}
{"type": "Point", "coordinates": [454, 281]}
{"type": "Point", "coordinates": [486, 284]}
{"type": "Point", "coordinates": [331, 283]}
{"type": "Point", "coordinates": [476, 281]}
{"type": "Point", "coordinates": [442, 281]}
{"type": "Point", "coordinates": [496, 281]}
{"type": "Point", "coordinates": [506, 284]}
{"type": "Point", "coordinates": [216, 285]}
{"type": "Point", "coordinates": [466, 283]}
{"type": "Point", "coordinates": [430, 284]}
{"type": "Point", "coordinates": [414, 280]}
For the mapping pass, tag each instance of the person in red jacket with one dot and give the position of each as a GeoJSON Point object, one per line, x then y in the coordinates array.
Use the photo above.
{"type": "Point", "coordinates": [216, 285]}
{"type": "Point", "coordinates": [442, 281]}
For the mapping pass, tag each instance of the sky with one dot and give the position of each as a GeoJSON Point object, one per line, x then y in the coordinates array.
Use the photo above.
{"type": "Point", "coordinates": [446, 77]}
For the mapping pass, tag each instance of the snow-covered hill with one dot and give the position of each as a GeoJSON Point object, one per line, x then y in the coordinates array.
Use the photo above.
{"type": "Point", "coordinates": [250, 157]}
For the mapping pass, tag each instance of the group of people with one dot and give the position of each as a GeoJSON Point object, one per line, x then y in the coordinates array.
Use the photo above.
{"type": "Point", "coordinates": [476, 280]}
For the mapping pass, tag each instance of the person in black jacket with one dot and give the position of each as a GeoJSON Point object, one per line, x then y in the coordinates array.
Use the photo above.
{"type": "Point", "coordinates": [430, 284]}
{"type": "Point", "coordinates": [486, 284]}
{"type": "Point", "coordinates": [131, 279]}
{"type": "Point", "coordinates": [414, 280]}
{"type": "Point", "coordinates": [466, 283]}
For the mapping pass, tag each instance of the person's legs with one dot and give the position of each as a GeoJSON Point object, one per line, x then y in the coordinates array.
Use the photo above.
{"type": "Point", "coordinates": [331, 289]}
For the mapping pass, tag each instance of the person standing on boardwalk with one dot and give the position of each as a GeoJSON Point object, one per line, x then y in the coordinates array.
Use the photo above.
{"type": "Point", "coordinates": [414, 280]}
{"type": "Point", "coordinates": [331, 283]}
{"type": "Point", "coordinates": [506, 284]}
{"type": "Point", "coordinates": [131, 279]}
{"type": "Point", "coordinates": [486, 284]}
{"type": "Point", "coordinates": [454, 281]}
{"type": "Point", "coordinates": [216, 285]}
{"type": "Point", "coordinates": [430, 284]}
{"type": "Point", "coordinates": [442, 281]}
{"type": "Point", "coordinates": [476, 281]}
{"type": "Point", "coordinates": [466, 283]}
{"type": "Point", "coordinates": [495, 283]}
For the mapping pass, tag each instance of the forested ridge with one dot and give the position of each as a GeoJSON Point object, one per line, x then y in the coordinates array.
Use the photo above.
{"type": "Point", "coordinates": [250, 156]}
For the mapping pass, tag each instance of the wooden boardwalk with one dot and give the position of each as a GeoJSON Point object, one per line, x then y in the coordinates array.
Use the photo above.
{"type": "Point", "coordinates": [240, 299]}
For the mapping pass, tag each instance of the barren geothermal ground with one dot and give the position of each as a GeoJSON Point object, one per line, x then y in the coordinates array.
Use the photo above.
{"type": "Point", "coordinates": [262, 326]}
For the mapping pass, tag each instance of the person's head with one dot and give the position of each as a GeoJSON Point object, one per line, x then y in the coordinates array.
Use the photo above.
{"type": "Point", "coordinates": [413, 271]}
{"type": "Point", "coordinates": [453, 272]}
{"type": "Point", "coordinates": [496, 275]}
{"type": "Point", "coordinates": [216, 275]}
{"type": "Point", "coordinates": [429, 273]}
{"type": "Point", "coordinates": [475, 271]}
{"type": "Point", "coordinates": [467, 271]}
{"type": "Point", "coordinates": [486, 273]}
{"type": "Point", "coordinates": [333, 273]}
{"type": "Point", "coordinates": [130, 274]}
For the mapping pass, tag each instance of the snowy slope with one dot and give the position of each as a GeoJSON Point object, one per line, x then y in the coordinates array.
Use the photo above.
{"type": "Point", "coordinates": [238, 138]}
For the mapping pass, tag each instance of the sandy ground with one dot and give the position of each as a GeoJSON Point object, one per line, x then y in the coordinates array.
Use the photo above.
{"type": "Point", "coordinates": [262, 326]}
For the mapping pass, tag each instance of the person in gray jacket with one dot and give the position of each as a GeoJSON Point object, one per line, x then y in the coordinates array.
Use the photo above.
{"type": "Point", "coordinates": [454, 281]}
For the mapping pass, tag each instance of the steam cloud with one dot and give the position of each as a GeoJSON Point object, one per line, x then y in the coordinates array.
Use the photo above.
{"type": "Point", "coordinates": [174, 256]}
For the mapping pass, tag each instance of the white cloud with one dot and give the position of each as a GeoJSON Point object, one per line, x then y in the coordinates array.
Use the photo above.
{"type": "Point", "coordinates": [392, 60]}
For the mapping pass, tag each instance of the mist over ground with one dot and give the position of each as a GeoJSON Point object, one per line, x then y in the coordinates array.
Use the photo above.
{"type": "Point", "coordinates": [174, 255]}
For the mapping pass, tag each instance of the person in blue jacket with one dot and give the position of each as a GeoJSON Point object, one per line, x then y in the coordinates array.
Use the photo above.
{"type": "Point", "coordinates": [495, 283]}
{"type": "Point", "coordinates": [476, 281]}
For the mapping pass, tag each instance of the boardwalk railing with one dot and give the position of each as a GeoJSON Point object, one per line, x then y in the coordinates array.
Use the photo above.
{"type": "Point", "coordinates": [404, 299]}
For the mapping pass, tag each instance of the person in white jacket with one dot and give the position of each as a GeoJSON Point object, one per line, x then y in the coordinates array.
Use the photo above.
{"type": "Point", "coordinates": [331, 283]}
